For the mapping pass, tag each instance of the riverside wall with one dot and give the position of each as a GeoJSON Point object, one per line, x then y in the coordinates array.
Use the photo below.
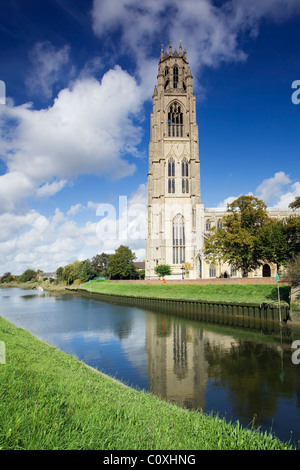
{"type": "Point", "coordinates": [247, 315]}
{"type": "Point", "coordinates": [241, 281]}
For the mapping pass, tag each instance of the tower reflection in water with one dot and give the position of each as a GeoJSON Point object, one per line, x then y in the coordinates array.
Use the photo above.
{"type": "Point", "coordinates": [176, 359]}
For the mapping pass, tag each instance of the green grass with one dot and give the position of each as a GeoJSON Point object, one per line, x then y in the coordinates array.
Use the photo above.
{"type": "Point", "coordinates": [50, 400]}
{"type": "Point", "coordinates": [256, 293]}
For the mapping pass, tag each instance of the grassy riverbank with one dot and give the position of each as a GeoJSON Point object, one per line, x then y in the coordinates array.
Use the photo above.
{"type": "Point", "coordinates": [50, 400]}
{"type": "Point", "coordinates": [253, 293]}
{"type": "Point", "coordinates": [49, 287]}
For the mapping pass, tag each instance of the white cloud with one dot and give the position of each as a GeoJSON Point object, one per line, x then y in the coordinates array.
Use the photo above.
{"type": "Point", "coordinates": [87, 127]}
{"type": "Point", "coordinates": [277, 192]}
{"type": "Point", "coordinates": [140, 196]}
{"type": "Point", "coordinates": [203, 28]}
{"type": "Point", "coordinates": [12, 223]}
{"type": "Point", "coordinates": [74, 209]}
{"type": "Point", "coordinates": [49, 189]}
{"type": "Point", "coordinates": [124, 223]}
{"type": "Point", "coordinates": [272, 188]}
{"type": "Point", "coordinates": [247, 14]}
{"type": "Point", "coordinates": [223, 204]}
{"type": "Point", "coordinates": [32, 240]}
{"type": "Point", "coordinates": [48, 68]}
{"type": "Point", "coordinates": [209, 32]}
{"type": "Point", "coordinates": [288, 197]}
{"type": "Point", "coordinates": [92, 68]}
{"type": "Point", "coordinates": [15, 186]}
{"type": "Point", "coordinates": [86, 131]}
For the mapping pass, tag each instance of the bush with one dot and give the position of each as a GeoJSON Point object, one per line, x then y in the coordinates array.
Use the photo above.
{"type": "Point", "coordinates": [142, 274]}
{"type": "Point", "coordinates": [163, 270]}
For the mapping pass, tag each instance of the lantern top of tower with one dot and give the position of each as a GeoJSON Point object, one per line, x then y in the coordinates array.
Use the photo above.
{"type": "Point", "coordinates": [167, 55]}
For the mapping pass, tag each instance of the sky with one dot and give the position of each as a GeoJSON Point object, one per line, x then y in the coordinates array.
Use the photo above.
{"type": "Point", "coordinates": [77, 78]}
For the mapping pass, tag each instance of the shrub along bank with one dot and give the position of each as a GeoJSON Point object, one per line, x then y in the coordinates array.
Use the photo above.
{"type": "Point", "coordinates": [50, 400]}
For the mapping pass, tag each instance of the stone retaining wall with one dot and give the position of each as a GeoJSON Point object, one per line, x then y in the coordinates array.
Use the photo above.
{"type": "Point", "coordinates": [234, 313]}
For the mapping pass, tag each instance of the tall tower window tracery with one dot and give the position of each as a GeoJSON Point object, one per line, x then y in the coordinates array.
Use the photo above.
{"type": "Point", "coordinates": [171, 176]}
{"type": "Point", "coordinates": [175, 76]}
{"type": "Point", "coordinates": [166, 78]}
{"type": "Point", "coordinates": [178, 239]}
{"type": "Point", "coordinates": [185, 175]}
{"type": "Point", "coordinates": [175, 121]}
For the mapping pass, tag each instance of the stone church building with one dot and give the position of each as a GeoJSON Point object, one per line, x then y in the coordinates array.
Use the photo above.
{"type": "Point", "coordinates": [177, 220]}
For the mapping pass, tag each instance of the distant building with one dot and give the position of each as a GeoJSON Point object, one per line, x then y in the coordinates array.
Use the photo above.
{"type": "Point", "coordinates": [140, 265]}
{"type": "Point", "coordinates": [42, 276]}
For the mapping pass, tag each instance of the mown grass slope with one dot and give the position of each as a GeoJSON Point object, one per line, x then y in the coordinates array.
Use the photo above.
{"type": "Point", "coordinates": [50, 400]}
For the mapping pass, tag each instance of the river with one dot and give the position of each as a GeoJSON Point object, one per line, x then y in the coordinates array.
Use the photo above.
{"type": "Point", "coordinates": [233, 372]}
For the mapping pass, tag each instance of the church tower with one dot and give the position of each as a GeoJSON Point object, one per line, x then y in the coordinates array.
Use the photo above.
{"type": "Point", "coordinates": [175, 212]}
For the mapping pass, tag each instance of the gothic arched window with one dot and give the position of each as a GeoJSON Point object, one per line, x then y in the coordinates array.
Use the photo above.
{"type": "Point", "coordinates": [212, 270]}
{"type": "Point", "coordinates": [175, 76]}
{"type": "Point", "coordinates": [166, 72]}
{"type": "Point", "coordinates": [233, 271]}
{"type": "Point", "coordinates": [178, 240]}
{"type": "Point", "coordinates": [185, 175]}
{"type": "Point", "coordinates": [175, 121]}
{"type": "Point", "coordinates": [171, 176]}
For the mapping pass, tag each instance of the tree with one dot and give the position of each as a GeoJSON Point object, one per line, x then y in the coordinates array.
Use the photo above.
{"type": "Point", "coordinates": [59, 274]}
{"type": "Point", "coordinates": [292, 272]}
{"type": "Point", "coordinates": [293, 235]}
{"type": "Point", "coordinates": [87, 271]}
{"type": "Point", "coordinates": [236, 241]}
{"type": "Point", "coordinates": [249, 212]}
{"type": "Point", "coordinates": [295, 204]}
{"type": "Point", "coordinates": [272, 243]}
{"type": "Point", "coordinates": [72, 272]}
{"type": "Point", "coordinates": [100, 264]}
{"type": "Point", "coordinates": [5, 277]}
{"type": "Point", "coordinates": [120, 264]}
{"type": "Point", "coordinates": [28, 275]}
{"type": "Point", "coordinates": [163, 270]}
{"type": "Point", "coordinates": [279, 240]}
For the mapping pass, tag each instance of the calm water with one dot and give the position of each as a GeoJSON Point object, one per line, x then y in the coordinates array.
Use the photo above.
{"type": "Point", "coordinates": [234, 372]}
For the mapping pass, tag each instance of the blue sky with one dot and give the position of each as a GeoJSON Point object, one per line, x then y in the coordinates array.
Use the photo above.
{"type": "Point", "coordinates": [79, 78]}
